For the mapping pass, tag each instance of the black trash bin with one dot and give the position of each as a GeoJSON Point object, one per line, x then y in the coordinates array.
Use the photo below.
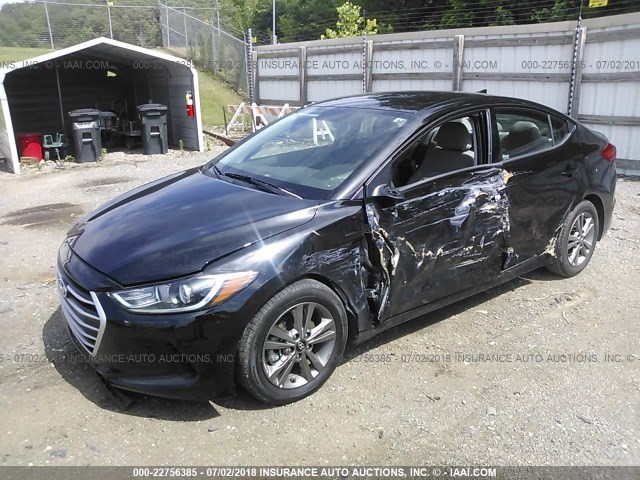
{"type": "Point", "coordinates": [153, 117]}
{"type": "Point", "coordinates": [87, 143]}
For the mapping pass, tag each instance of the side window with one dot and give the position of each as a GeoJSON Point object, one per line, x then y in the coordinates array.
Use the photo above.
{"type": "Point", "coordinates": [448, 147]}
{"type": "Point", "coordinates": [560, 129]}
{"type": "Point", "coordinates": [523, 133]}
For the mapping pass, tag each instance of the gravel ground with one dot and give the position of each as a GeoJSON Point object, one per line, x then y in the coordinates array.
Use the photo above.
{"type": "Point", "coordinates": [407, 397]}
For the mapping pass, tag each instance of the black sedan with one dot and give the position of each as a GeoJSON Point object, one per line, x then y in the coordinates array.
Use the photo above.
{"type": "Point", "coordinates": [333, 224]}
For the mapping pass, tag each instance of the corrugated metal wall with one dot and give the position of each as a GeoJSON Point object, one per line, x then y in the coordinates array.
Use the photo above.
{"type": "Point", "coordinates": [609, 93]}
{"type": "Point", "coordinates": [346, 65]}
{"type": "Point", "coordinates": [517, 66]}
{"type": "Point", "coordinates": [592, 73]}
{"type": "Point", "coordinates": [33, 96]}
{"type": "Point", "coordinates": [169, 88]}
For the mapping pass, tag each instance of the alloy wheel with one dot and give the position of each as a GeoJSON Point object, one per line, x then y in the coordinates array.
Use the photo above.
{"type": "Point", "coordinates": [299, 345]}
{"type": "Point", "coordinates": [581, 239]}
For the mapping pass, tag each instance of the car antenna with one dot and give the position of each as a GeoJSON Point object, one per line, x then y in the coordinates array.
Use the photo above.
{"type": "Point", "coordinates": [484, 90]}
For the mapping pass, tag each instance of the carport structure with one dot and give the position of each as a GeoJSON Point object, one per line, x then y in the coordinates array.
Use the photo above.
{"type": "Point", "coordinates": [37, 94]}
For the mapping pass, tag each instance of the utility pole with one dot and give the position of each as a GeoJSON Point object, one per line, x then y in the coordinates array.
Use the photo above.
{"type": "Point", "coordinates": [273, 27]}
{"type": "Point", "coordinates": [248, 56]}
{"type": "Point", "coordinates": [577, 57]}
{"type": "Point", "coordinates": [218, 16]}
{"type": "Point", "coordinates": [364, 52]}
{"type": "Point", "coordinates": [46, 11]}
{"type": "Point", "coordinates": [186, 34]}
{"type": "Point", "coordinates": [109, 3]}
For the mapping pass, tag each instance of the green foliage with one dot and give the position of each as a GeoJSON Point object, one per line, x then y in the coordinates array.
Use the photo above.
{"type": "Point", "coordinates": [557, 13]}
{"type": "Point", "coordinates": [16, 54]}
{"type": "Point", "coordinates": [304, 19]}
{"type": "Point", "coordinates": [351, 23]}
{"type": "Point", "coordinates": [244, 14]}
{"type": "Point", "coordinates": [214, 96]}
{"type": "Point", "coordinates": [503, 17]}
{"type": "Point", "coordinates": [457, 16]}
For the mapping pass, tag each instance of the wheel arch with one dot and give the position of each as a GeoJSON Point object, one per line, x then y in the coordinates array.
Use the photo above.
{"type": "Point", "coordinates": [352, 317]}
{"type": "Point", "coordinates": [278, 284]}
{"type": "Point", "coordinates": [599, 205]}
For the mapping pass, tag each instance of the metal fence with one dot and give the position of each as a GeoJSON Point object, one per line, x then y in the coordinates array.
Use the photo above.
{"type": "Point", "coordinates": [207, 44]}
{"type": "Point", "coordinates": [590, 71]}
{"type": "Point", "coordinates": [55, 25]}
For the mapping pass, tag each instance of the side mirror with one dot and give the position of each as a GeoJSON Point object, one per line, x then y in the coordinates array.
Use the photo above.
{"type": "Point", "coordinates": [387, 192]}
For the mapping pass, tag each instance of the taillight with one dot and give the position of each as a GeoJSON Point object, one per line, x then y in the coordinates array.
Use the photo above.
{"type": "Point", "coordinates": [609, 152]}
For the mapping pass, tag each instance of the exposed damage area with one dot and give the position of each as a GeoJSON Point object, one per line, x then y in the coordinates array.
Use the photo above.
{"type": "Point", "coordinates": [386, 261]}
{"type": "Point", "coordinates": [446, 235]}
{"type": "Point", "coordinates": [343, 266]}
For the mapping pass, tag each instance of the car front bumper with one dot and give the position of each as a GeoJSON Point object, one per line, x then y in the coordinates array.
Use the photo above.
{"type": "Point", "coordinates": [172, 374]}
{"type": "Point", "coordinates": [187, 356]}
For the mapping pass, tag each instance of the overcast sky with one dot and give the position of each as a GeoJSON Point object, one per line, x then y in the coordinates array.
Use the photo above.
{"type": "Point", "coordinates": [2, 2]}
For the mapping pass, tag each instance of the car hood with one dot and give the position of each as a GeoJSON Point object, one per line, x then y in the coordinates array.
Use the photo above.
{"type": "Point", "coordinates": [176, 225]}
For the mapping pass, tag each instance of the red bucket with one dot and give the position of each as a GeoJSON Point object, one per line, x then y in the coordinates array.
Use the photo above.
{"type": "Point", "coordinates": [30, 145]}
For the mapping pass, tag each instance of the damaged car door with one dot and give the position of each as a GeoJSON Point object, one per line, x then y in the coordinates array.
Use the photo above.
{"type": "Point", "coordinates": [543, 173]}
{"type": "Point", "coordinates": [437, 218]}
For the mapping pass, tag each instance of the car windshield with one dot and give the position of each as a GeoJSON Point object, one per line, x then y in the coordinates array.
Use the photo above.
{"type": "Point", "coordinates": [312, 152]}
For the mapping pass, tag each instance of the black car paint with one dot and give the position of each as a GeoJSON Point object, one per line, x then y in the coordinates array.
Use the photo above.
{"type": "Point", "coordinates": [442, 236]}
{"type": "Point", "coordinates": [331, 251]}
{"type": "Point", "coordinates": [169, 230]}
{"type": "Point", "coordinates": [368, 250]}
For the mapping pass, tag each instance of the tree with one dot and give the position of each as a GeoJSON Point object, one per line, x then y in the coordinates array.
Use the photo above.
{"type": "Point", "coordinates": [557, 13]}
{"type": "Point", "coordinates": [303, 19]}
{"type": "Point", "coordinates": [351, 23]}
{"type": "Point", "coordinates": [503, 17]}
{"type": "Point", "coordinates": [245, 13]}
{"type": "Point", "coordinates": [457, 16]}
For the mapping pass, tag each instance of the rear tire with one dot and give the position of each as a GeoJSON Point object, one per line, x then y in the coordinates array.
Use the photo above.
{"type": "Point", "coordinates": [293, 344]}
{"type": "Point", "coordinates": [576, 241]}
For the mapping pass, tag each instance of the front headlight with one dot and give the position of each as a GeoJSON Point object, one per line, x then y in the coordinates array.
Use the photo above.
{"type": "Point", "coordinates": [184, 295]}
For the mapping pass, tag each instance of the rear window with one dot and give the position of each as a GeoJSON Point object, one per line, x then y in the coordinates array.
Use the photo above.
{"type": "Point", "coordinates": [523, 133]}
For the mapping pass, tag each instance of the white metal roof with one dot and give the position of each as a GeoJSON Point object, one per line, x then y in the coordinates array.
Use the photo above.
{"type": "Point", "coordinates": [101, 47]}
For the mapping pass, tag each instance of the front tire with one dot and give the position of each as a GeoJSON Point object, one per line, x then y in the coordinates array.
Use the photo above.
{"type": "Point", "coordinates": [293, 344]}
{"type": "Point", "coordinates": [577, 240]}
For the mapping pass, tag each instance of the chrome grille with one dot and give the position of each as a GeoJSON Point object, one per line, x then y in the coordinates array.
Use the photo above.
{"type": "Point", "coordinates": [83, 312]}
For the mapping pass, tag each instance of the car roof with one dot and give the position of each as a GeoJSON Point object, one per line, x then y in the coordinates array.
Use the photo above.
{"type": "Point", "coordinates": [426, 101]}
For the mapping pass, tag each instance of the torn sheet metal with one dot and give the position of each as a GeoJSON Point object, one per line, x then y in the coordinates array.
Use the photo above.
{"type": "Point", "coordinates": [386, 259]}
{"type": "Point", "coordinates": [440, 240]}
{"type": "Point", "coordinates": [551, 246]}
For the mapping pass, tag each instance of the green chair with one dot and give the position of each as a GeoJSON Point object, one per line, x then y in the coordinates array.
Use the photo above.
{"type": "Point", "coordinates": [48, 142]}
